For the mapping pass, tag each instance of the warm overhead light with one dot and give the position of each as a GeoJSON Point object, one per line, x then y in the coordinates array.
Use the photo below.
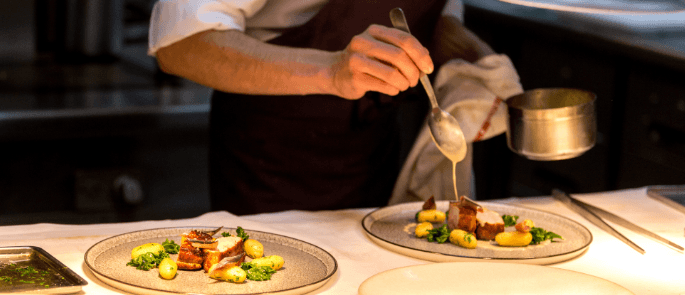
{"type": "Point", "coordinates": [606, 6]}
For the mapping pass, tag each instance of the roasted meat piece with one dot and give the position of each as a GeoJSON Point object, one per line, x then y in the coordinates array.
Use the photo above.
{"type": "Point", "coordinates": [489, 224]}
{"type": "Point", "coordinates": [462, 216]}
{"type": "Point", "coordinates": [226, 247]}
{"type": "Point", "coordinates": [482, 222]}
{"type": "Point", "coordinates": [190, 255]}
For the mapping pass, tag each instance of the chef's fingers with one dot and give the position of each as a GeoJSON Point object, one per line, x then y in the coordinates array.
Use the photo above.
{"type": "Point", "coordinates": [382, 71]}
{"type": "Point", "coordinates": [408, 43]}
{"type": "Point", "coordinates": [386, 55]}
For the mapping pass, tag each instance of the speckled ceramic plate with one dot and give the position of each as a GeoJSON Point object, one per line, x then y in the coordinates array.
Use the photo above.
{"type": "Point", "coordinates": [488, 278]}
{"type": "Point", "coordinates": [393, 228]}
{"type": "Point", "coordinates": [307, 267]}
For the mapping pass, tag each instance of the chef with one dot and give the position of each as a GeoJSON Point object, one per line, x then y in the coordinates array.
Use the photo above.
{"type": "Point", "coordinates": [307, 111]}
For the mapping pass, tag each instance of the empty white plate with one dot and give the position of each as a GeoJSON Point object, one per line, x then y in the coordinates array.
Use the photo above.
{"type": "Point", "coordinates": [476, 278]}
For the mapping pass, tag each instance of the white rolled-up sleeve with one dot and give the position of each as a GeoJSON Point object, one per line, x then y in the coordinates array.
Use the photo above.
{"type": "Point", "coordinates": [173, 20]}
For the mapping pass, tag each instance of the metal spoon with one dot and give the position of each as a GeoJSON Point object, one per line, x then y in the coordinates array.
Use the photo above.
{"type": "Point", "coordinates": [444, 128]}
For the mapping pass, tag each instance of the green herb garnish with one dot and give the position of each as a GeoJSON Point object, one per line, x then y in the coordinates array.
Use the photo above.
{"type": "Point", "coordinates": [148, 260]}
{"type": "Point", "coordinates": [439, 235]}
{"type": "Point", "coordinates": [242, 234]}
{"type": "Point", "coordinates": [257, 273]}
{"type": "Point", "coordinates": [171, 247]}
{"type": "Point", "coordinates": [540, 235]}
{"type": "Point", "coordinates": [469, 237]}
{"type": "Point", "coordinates": [510, 220]}
{"type": "Point", "coordinates": [14, 275]}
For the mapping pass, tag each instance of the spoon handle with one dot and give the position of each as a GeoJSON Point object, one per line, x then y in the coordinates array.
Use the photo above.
{"type": "Point", "coordinates": [400, 22]}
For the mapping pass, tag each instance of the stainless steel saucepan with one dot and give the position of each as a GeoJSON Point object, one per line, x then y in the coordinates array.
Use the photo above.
{"type": "Point", "coordinates": [551, 124]}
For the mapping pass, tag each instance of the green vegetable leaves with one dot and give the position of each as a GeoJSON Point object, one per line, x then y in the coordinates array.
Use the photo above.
{"type": "Point", "coordinates": [540, 235]}
{"type": "Point", "coordinates": [171, 247]}
{"type": "Point", "coordinates": [148, 260]}
{"type": "Point", "coordinates": [151, 260]}
{"type": "Point", "coordinates": [510, 220]}
{"type": "Point", "coordinates": [439, 235]}
{"type": "Point", "coordinates": [257, 273]}
{"type": "Point", "coordinates": [240, 232]}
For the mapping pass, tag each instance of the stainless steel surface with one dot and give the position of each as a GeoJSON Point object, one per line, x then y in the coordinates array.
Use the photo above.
{"type": "Point", "coordinates": [606, 6]}
{"type": "Point", "coordinates": [588, 214]}
{"type": "Point", "coordinates": [51, 275]}
{"type": "Point", "coordinates": [551, 124]}
{"type": "Point", "coordinates": [444, 128]}
{"type": "Point", "coordinates": [671, 195]}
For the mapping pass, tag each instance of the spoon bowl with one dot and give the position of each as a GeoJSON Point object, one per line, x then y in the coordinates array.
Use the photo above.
{"type": "Point", "coordinates": [444, 128]}
{"type": "Point", "coordinates": [447, 135]}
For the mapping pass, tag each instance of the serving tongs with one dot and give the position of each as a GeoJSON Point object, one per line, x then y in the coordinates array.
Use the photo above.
{"type": "Point", "coordinates": [596, 215]}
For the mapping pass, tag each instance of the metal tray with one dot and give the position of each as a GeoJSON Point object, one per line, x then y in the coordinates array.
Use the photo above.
{"type": "Point", "coordinates": [43, 273]}
{"type": "Point", "coordinates": [671, 195]}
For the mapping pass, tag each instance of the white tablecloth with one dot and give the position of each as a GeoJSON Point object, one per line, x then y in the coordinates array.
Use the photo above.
{"type": "Point", "coordinates": [660, 271]}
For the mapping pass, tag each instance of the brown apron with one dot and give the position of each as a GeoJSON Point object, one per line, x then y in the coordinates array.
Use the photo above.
{"type": "Point", "coordinates": [314, 152]}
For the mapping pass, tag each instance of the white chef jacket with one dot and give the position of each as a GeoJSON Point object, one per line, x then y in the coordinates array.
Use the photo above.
{"type": "Point", "coordinates": [173, 20]}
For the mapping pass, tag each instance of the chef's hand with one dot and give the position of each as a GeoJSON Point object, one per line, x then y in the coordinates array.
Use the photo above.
{"type": "Point", "coordinates": [381, 59]}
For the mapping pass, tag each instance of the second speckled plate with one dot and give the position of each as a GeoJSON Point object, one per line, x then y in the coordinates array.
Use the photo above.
{"type": "Point", "coordinates": [307, 267]}
{"type": "Point", "coordinates": [393, 228]}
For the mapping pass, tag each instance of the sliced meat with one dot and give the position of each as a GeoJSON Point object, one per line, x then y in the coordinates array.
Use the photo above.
{"type": "Point", "coordinates": [490, 223]}
{"type": "Point", "coordinates": [226, 247]}
{"type": "Point", "coordinates": [191, 257]}
{"type": "Point", "coordinates": [462, 217]}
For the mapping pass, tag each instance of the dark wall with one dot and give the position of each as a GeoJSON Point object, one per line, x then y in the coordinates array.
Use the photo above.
{"type": "Point", "coordinates": [640, 111]}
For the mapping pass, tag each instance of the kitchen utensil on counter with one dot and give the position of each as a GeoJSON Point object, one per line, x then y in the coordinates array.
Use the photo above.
{"type": "Point", "coordinates": [671, 195]}
{"type": "Point", "coordinates": [596, 215]}
{"type": "Point", "coordinates": [444, 128]}
{"type": "Point", "coordinates": [606, 6]}
{"type": "Point", "coordinates": [550, 124]}
{"type": "Point", "coordinates": [32, 270]}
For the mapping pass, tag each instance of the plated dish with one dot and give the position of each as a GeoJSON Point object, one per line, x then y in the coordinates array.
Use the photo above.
{"type": "Point", "coordinates": [393, 228]}
{"type": "Point", "coordinates": [308, 266]}
{"type": "Point", "coordinates": [29, 269]}
{"type": "Point", "coordinates": [488, 278]}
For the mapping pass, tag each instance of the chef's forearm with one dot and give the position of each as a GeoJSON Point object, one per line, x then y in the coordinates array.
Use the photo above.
{"type": "Point", "coordinates": [453, 40]}
{"type": "Point", "coordinates": [231, 61]}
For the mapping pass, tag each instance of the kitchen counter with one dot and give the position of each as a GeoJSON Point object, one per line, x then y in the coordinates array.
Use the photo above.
{"type": "Point", "coordinates": [660, 36]}
{"type": "Point", "coordinates": [340, 233]}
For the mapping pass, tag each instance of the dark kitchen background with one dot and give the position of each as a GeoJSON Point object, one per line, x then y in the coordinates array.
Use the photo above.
{"type": "Point", "coordinates": [91, 130]}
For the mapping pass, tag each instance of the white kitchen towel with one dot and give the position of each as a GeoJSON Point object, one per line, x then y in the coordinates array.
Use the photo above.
{"type": "Point", "coordinates": [474, 93]}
